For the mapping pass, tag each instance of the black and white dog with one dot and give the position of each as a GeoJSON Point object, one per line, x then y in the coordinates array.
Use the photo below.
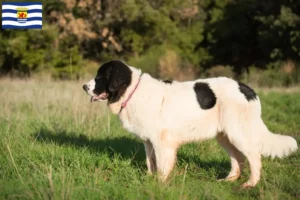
{"type": "Point", "coordinates": [166, 115]}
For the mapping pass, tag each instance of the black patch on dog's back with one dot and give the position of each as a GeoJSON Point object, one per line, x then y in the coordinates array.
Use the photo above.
{"type": "Point", "coordinates": [205, 96]}
{"type": "Point", "coordinates": [247, 91]}
{"type": "Point", "coordinates": [168, 81]}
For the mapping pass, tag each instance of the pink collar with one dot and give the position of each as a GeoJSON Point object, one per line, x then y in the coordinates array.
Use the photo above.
{"type": "Point", "coordinates": [123, 105]}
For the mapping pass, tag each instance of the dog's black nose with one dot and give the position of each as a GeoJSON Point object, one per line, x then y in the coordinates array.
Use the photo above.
{"type": "Point", "coordinates": [85, 87]}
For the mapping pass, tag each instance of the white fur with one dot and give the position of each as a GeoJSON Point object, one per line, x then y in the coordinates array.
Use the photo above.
{"type": "Point", "coordinates": [91, 86]}
{"type": "Point", "coordinates": [165, 116]}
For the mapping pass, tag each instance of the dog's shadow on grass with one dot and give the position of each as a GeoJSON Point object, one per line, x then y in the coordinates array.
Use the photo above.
{"type": "Point", "coordinates": [219, 167]}
{"type": "Point", "coordinates": [126, 147]}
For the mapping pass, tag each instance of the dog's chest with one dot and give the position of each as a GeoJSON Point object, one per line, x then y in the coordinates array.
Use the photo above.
{"type": "Point", "coordinates": [140, 126]}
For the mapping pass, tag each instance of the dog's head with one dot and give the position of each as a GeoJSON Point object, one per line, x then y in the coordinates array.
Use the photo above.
{"type": "Point", "coordinates": [110, 83]}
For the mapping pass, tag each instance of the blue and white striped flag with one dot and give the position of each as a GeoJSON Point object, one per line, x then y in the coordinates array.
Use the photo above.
{"type": "Point", "coordinates": [22, 15]}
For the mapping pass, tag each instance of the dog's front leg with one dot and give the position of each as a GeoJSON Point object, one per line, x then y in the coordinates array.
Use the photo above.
{"type": "Point", "coordinates": [166, 152]}
{"type": "Point", "coordinates": [166, 159]}
{"type": "Point", "coordinates": [150, 157]}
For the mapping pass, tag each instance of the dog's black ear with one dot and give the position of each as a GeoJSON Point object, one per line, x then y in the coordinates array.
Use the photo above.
{"type": "Point", "coordinates": [120, 77]}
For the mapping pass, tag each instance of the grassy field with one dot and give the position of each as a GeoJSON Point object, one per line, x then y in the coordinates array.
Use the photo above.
{"type": "Point", "coordinates": [54, 144]}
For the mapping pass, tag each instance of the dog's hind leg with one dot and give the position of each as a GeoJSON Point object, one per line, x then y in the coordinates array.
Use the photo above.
{"type": "Point", "coordinates": [236, 157]}
{"type": "Point", "coordinates": [254, 159]}
{"type": "Point", "coordinates": [150, 157]}
{"type": "Point", "coordinates": [253, 156]}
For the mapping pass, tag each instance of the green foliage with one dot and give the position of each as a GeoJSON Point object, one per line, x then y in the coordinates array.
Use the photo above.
{"type": "Point", "coordinates": [251, 32]}
{"type": "Point", "coordinates": [33, 51]}
{"type": "Point", "coordinates": [203, 34]}
{"type": "Point", "coordinates": [274, 76]}
{"type": "Point", "coordinates": [149, 60]}
{"type": "Point", "coordinates": [218, 71]}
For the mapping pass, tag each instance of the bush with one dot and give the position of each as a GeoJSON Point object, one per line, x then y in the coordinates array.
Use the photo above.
{"type": "Point", "coordinates": [276, 75]}
{"type": "Point", "coordinates": [25, 52]}
{"type": "Point", "coordinates": [220, 70]}
{"type": "Point", "coordinates": [149, 61]}
{"type": "Point", "coordinates": [149, 34]}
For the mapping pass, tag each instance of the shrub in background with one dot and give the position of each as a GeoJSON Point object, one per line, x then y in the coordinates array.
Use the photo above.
{"type": "Point", "coordinates": [201, 35]}
{"type": "Point", "coordinates": [276, 75]}
{"type": "Point", "coordinates": [24, 52]}
{"type": "Point", "coordinates": [218, 71]}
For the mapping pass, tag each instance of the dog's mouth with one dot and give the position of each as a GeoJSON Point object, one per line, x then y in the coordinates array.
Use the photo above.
{"type": "Point", "coordinates": [101, 97]}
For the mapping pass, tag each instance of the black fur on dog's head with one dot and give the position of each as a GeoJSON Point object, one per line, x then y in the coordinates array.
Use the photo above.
{"type": "Point", "coordinates": [110, 83]}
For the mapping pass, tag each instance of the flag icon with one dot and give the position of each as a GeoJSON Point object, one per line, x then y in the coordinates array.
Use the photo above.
{"type": "Point", "coordinates": [22, 15]}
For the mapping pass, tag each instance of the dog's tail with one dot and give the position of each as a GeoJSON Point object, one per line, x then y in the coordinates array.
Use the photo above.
{"type": "Point", "coordinates": [276, 145]}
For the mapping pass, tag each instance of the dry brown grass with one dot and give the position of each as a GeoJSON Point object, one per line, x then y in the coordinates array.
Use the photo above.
{"type": "Point", "coordinates": [293, 89]}
{"type": "Point", "coordinates": [48, 99]}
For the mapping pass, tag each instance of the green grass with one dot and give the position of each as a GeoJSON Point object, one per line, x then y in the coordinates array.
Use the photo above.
{"type": "Point", "coordinates": [54, 144]}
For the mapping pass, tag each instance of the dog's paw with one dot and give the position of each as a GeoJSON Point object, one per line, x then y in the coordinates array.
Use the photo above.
{"type": "Point", "coordinates": [229, 179]}
{"type": "Point", "coordinates": [248, 184]}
